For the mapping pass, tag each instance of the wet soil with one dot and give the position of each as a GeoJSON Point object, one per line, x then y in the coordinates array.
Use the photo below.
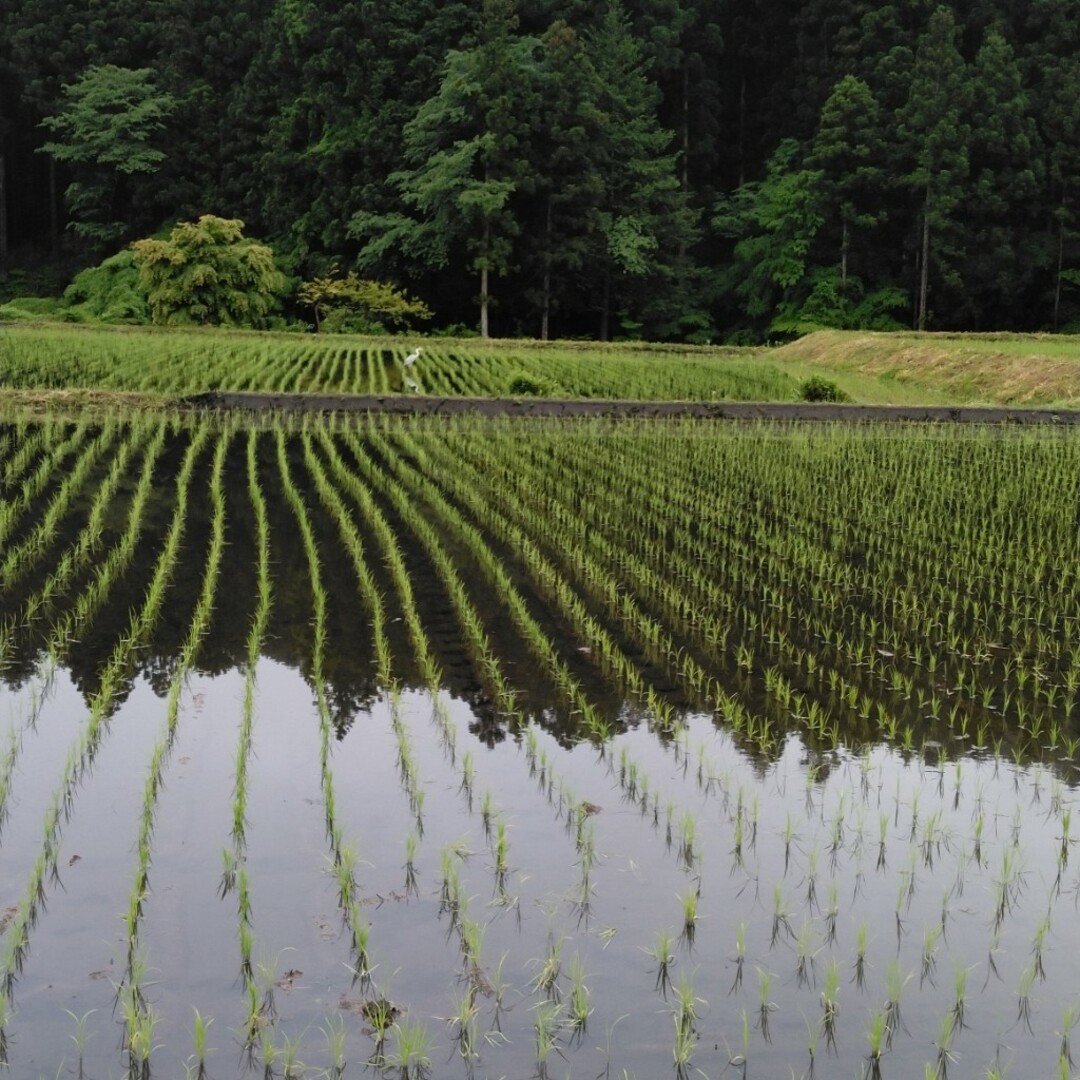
{"type": "Point", "coordinates": [548, 407]}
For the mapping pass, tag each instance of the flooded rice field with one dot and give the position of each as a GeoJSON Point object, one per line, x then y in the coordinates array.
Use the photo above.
{"type": "Point", "coordinates": [485, 748]}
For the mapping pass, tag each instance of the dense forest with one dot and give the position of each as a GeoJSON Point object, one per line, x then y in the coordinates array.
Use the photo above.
{"type": "Point", "coordinates": [673, 169]}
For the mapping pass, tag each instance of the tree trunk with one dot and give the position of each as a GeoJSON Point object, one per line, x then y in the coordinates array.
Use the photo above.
{"type": "Point", "coordinates": [742, 131]}
{"type": "Point", "coordinates": [54, 210]}
{"type": "Point", "coordinates": [484, 282]}
{"type": "Point", "coordinates": [1060, 263]}
{"type": "Point", "coordinates": [845, 241]}
{"type": "Point", "coordinates": [924, 269]}
{"type": "Point", "coordinates": [545, 290]}
{"type": "Point", "coordinates": [605, 305]}
{"type": "Point", "coordinates": [3, 212]}
{"type": "Point", "coordinates": [484, 302]}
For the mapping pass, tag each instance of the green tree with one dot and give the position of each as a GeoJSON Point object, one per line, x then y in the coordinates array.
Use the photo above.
{"type": "Point", "coordinates": [775, 222]}
{"type": "Point", "coordinates": [1001, 212]}
{"type": "Point", "coordinates": [466, 149]}
{"type": "Point", "coordinates": [207, 272]}
{"type": "Point", "coordinates": [105, 133]}
{"type": "Point", "coordinates": [848, 155]}
{"type": "Point", "coordinates": [644, 222]}
{"type": "Point", "coordinates": [935, 137]}
{"type": "Point", "coordinates": [351, 303]}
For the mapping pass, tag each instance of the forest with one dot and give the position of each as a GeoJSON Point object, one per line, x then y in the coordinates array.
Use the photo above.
{"type": "Point", "coordinates": [685, 170]}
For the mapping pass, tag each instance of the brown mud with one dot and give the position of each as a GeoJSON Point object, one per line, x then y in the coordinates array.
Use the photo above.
{"type": "Point", "coordinates": [419, 405]}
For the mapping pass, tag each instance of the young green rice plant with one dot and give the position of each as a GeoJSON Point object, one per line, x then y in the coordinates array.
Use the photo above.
{"type": "Point", "coordinates": [411, 842]}
{"type": "Point", "coordinates": [765, 1004]}
{"type": "Point", "coordinates": [740, 956]}
{"type": "Point", "coordinates": [547, 1017]}
{"type": "Point", "coordinates": [960, 978]}
{"type": "Point", "coordinates": [1023, 1005]}
{"type": "Point", "coordinates": [463, 1024]}
{"type": "Point", "coordinates": [291, 1066]}
{"type": "Point", "coordinates": [549, 968]}
{"type": "Point", "coordinates": [943, 1043]}
{"type": "Point", "coordinates": [199, 1034]}
{"type": "Point", "coordinates": [1069, 1018]}
{"type": "Point", "coordinates": [862, 935]}
{"type": "Point", "coordinates": [664, 957]}
{"type": "Point", "coordinates": [830, 1001]}
{"type": "Point", "coordinates": [335, 1034]}
{"type": "Point", "coordinates": [877, 1037]}
{"type": "Point", "coordinates": [805, 954]}
{"type": "Point", "coordinates": [689, 903]}
{"type": "Point", "coordinates": [578, 1007]}
{"type": "Point", "coordinates": [895, 981]}
{"type": "Point", "coordinates": [80, 1038]}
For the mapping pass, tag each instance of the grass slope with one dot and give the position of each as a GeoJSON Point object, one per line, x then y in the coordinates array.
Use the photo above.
{"type": "Point", "coordinates": [1000, 369]}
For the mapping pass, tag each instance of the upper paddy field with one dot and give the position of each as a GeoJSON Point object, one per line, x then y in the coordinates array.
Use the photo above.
{"type": "Point", "coordinates": [469, 747]}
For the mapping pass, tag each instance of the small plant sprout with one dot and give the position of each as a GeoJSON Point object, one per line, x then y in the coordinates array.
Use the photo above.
{"type": "Point", "coordinates": [463, 1023]}
{"type": "Point", "coordinates": [577, 1002]}
{"type": "Point", "coordinates": [960, 977]}
{"type": "Point", "coordinates": [546, 1020]}
{"type": "Point", "coordinates": [689, 902]}
{"type": "Point", "coordinates": [664, 956]}
{"type": "Point", "coordinates": [199, 1033]}
{"type": "Point", "coordinates": [765, 1005]}
{"type": "Point", "coordinates": [830, 1001]}
{"type": "Point", "coordinates": [80, 1037]}
{"type": "Point", "coordinates": [1069, 1018]}
{"type": "Point", "coordinates": [335, 1034]}
{"type": "Point", "coordinates": [411, 842]}
{"type": "Point", "coordinates": [861, 938]}
{"type": "Point", "coordinates": [877, 1038]}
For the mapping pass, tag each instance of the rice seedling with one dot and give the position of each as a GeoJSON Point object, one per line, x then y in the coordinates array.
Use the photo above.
{"type": "Point", "coordinates": [664, 957]}
{"type": "Point", "coordinates": [547, 1017]}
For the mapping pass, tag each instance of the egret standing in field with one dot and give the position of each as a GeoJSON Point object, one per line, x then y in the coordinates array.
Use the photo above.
{"type": "Point", "coordinates": [411, 385]}
{"type": "Point", "coordinates": [412, 357]}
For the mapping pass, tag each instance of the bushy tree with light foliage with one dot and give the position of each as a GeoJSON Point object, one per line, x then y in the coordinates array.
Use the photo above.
{"type": "Point", "coordinates": [208, 272]}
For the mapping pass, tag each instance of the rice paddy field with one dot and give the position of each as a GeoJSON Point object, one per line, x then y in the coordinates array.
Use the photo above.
{"type": "Point", "coordinates": [173, 363]}
{"type": "Point", "coordinates": [524, 748]}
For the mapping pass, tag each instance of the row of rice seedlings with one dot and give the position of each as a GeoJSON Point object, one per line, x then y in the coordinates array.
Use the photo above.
{"type": "Point", "coordinates": [802, 654]}
{"type": "Point", "coordinates": [27, 439]}
{"type": "Point", "coordinates": [470, 931]}
{"type": "Point", "coordinates": [200, 623]}
{"type": "Point", "coordinates": [81, 753]}
{"type": "Point", "coordinates": [631, 777]}
{"type": "Point", "coordinates": [32, 486]}
{"type": "Point", "coordinates": [77, 617]}
{"type": "Point", "coordinates": [21, 557]}
{"type": "Point", "coordinates": [344, 858]}
{"type": "Point", "coordinates": [88, 541]}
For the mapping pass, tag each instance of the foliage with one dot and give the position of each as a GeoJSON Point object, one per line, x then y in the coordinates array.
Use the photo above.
{"type": "Point", "coordinates": [360, 305]}
{"type": "Point", "coordinates": [572, 169]}
{"type": "Point", "coordinates": [105, 132]}
{"type": "Point", "coordinates": [818, 388]}
{"type": "Point", "coordinates": [207, 272]}
{"type": "Point", "coordinates": [525, 385]}
{"type": "Point", "coordinates": [110, 292]}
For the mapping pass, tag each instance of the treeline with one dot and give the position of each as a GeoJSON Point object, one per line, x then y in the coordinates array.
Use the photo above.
{"type": "Point", "coordinates": [677, 169]}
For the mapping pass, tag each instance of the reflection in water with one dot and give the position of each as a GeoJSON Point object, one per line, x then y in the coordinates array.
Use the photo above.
{"type": "Point", "coordinates": [750, 807]}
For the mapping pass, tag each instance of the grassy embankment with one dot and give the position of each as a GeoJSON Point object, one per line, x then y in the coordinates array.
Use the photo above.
{"type": "Point", "coordinates": [971, 369]}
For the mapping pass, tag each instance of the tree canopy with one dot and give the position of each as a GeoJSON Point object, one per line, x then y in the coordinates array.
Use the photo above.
{"type": "Point", "coordinates": [688, 169]}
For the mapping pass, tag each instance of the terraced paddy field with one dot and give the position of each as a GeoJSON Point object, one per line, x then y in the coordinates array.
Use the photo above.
{"type": "Point", "coordinates": [488, 747]}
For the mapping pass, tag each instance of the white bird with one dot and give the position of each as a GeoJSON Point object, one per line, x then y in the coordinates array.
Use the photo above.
{"type": "Point", "coordinates": [411, 385]}
{"type": "Point", "coordinates": [412, 357]}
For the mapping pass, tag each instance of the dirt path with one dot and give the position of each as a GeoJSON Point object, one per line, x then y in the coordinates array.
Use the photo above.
{"type": "Point", "coordinates": [458, 406]}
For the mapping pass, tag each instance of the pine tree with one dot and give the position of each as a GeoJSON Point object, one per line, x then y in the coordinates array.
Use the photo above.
{"type": "Point", "coordinates": [934, 137]}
